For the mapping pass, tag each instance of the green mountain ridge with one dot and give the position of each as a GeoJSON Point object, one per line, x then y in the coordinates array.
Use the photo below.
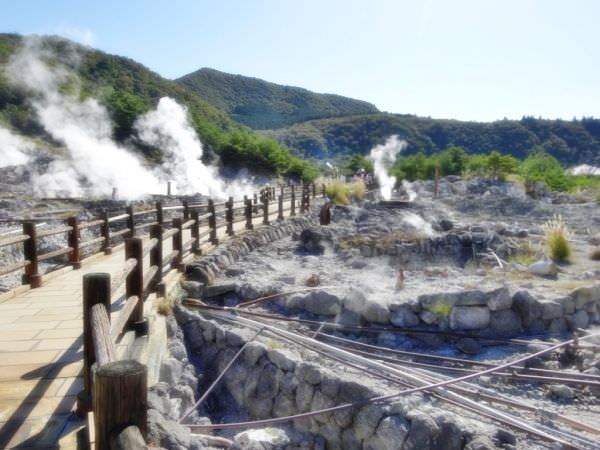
{"type": "Point", "coordinates": [261, 105]}
{"type": "Point", "coordinates": [313, 127]}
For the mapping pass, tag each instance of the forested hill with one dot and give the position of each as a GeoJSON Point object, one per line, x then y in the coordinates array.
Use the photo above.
{"type": "Point", "coordinates": [571, 142]}
{"type": "Point", "coordinates": [263, 105]}
{"type": "Point", "coordinates": [128, 89]}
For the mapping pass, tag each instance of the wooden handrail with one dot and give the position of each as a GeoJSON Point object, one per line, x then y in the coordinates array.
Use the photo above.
{"type": "Point", "coordinates": [117, 218]}
{"type": "Point", "coordinates": [52, 231]}
{"type": "Point", "coordinates": [120, 278]}
{"type": "Point", "coordinates": [13, 240]}
{"type": "Point", "coordinates": [13, 267]}
{"type": "Point", "coordinates": [104, 347]}
{"type": "Point", "coordinates": [54, 254]}
{"type": "Point", "coordinates": [134, 284]}
{"type": "Point", "coordinates": [120, 323]}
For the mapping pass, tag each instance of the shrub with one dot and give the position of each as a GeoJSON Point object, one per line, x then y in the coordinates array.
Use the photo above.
{"type": "Point", "coordinates": [358, 190]}
{"type": "Point", "coordinates": [557, 239]}
{"type": "Point", "coordinates": [338, 192]}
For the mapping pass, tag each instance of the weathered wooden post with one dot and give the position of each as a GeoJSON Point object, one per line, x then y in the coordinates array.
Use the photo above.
{"type": "Point", "coordinates": [195, 231]}
{"type": "Point", "coordinates": [436, 185]}
{"type": "Point", "coordinates": [248, 214]}
{"type": "Point", "coordinates": [30, 252]}
{"type": "Point", "coordinates": [293, 202]}
{"type": "Point", "coordinates": [265, 209]}
{"type": "Point", "coordinates": [105, 230]}
{"type": "Point", "coordinates": [120, 399]}
{"type": "Point", "coordinates": [130, 221]}
{"type": "Point", "coordinates": [177, 262]}
{"type": "Point", "coordinates": [156, 254]}
{"type": "Point", "coordinates": [159, 213]}
{"type": "Point", "coordinates": [96, 289]}
{"type": "Point", "coordinates": [212, 222]}
{"type": "Point", "coordinates": [134, 284]}
{"type": "Point", "coordinates": [303, 198]}
{"type": "Point", "coordinates": [324, 190]}
{"type": "Point", "coordinates": [73, 239]}
{"type": "Point", "coordinates": [186, 210]}
{"type": "Point", "coordinates": [280, 207]}
{"type": "Point", "coordinates": [314, 190]}
{"type": "Point", "coordinates": [229, 216]}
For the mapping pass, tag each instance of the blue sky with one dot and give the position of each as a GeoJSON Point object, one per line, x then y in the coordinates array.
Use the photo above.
{"type": "Point", "coordinates": [472, 60]}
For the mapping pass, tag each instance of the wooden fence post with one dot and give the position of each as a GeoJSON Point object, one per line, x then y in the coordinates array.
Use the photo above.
{"type": "Point", "coordinates": [134, 284]}
{"type": "Point", "coordinates": [30, 252]}
{"type": "Point", "coordinates": [248, 214]}
{"type": "Point", "coordinates": [177, 263]}
{"type": "Point", "coordinates": [156, 254]}
{"type": "Point", "coordinates": [265, 202]}
{"type": "Point", "coordinates": [105, 230]}
{"type": "Point", "coordinates": [229, 216]}
{"type": "Point", "coordinates": [314, 190]}
{"type": "Point", "coordinates": [195, 230]}
{"type": "Point", "coordinates": [324, 190]}
{"type": "Point", "coordinates": [96, 289]}
{"type": "Point", "coordinates": [212, 222]}
{"type": "Point", "coordinates": [130, 221]}
{"type": "Point", "coordinates": [255, 199]}
{"type": "Point", "coordinates": [436, 185]}
{"type": "Point", "coordinates": [159, 213]}
{"type": "Point", "coordinates": [74, 256]}
{"type": "Point", "coordinates": [120, 399]}
{"type": "Point", "coordinates": [280, 207]}
{"type": "Point", "coordinates": [186, 210]}
{"type": "Point", "coordinates": [293, 201]}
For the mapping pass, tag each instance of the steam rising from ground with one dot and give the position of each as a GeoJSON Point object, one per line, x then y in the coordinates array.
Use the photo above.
{"type": "Point", "coordinates": [383, 157]}
{"type": "Point", "coordinates": [15, 149]}
{"type": "Point", "coordinates": [95, 164]}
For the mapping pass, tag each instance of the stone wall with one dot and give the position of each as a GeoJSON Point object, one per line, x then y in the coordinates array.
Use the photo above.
{"type": "Point", "coordinates": [274, 380]}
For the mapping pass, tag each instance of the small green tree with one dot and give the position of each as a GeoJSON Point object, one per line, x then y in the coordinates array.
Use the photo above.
{"type": "Point", "coordinates": [125, 108]}
{"type": "Point", "coordinates": [539, 166]}
{"type": "Point", "coordinates": [499, 166]}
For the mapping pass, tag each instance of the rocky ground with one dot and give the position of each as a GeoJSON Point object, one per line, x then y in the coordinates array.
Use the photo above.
{"type": "Point", "coordinates": [468, 262]}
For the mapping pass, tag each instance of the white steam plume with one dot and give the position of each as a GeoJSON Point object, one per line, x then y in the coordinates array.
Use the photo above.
{"type": "Point", "coordinates": [383, 157]}
{"type": "Point", "coordinates": [85, 129]}
{"type": "Point", "coordinates": [14, 150]}
{"type": "Point", "coordinates": [168, 128]}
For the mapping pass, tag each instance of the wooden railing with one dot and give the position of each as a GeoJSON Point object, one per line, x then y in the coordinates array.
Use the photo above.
{"type": "Point", "coordinates": [106, 232]}
{"type": "Point", "coordinates": [115, 390]}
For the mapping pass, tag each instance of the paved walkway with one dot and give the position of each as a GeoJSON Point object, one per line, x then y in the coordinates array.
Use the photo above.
{"type": "Point", "coordinates": [41, 360]}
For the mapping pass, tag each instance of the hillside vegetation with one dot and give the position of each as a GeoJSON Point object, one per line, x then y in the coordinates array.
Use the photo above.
{"type": "Point", "coordinates": [263, 105]}
{"type": "Point", "coordinates": [129, 89]}
{"type": "Point", "coordinates": [571, 142]}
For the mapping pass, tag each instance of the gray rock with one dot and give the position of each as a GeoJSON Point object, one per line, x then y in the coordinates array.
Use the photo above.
{"type": "Point", "coordinates": [284, 406]}
{"type": "Point", "coordinates": [505, 323]}
{"type": "Point", "coordinates": [253, 352]}
{"type": "Point", "coordinates": [423, 433]}
{"type": "Point", "coordinates": [177, 350]}
{"type": "Point", "coordinates": [323, 303]}
{"type": "Point", "coordinates": [321, 401]}
{"type": "Point", "coordinates": [308, 372]}
{"type": "Point", "coordinates": [499, 299]}
{"type": "Point", "coordinates": [585, 294]}
{"type": "Point", "coordinates": [545, 267]}
{"type": "Point", "coordinates": [469, 317]}
{"type": "Point", "coordinates": [268, 382]}
{"type": "Point", "coordinates": [527, 307]}
{"type": "Point", "coordinates": [304, 395]}
{"type": "Point", "coordinates": [295, 303]}
{"type": "Point", "coordinates": [332, 435]}
{"type": "Point", "coordinates": [217, 290]}
{"type": "Point", "coordinates": [390, 434]}
{"type": "Point", "coordinates": [259, 408]}
{"type": "Point", "coordinates": [193, 289]}
{"type": "Point", "coordinates": [480, 443]}
{"type": "Point", "coordinates": [366, 421]}
{"type": "Point", "coordinates": [261, 439]}
{"type": "Point", "coordinates": [170, 371]}
{"type": "Point", "coordinates": [312, 241]}
{"type": "Point", "coordinates": [450, 436]}
{"type": "Point", "coordinates": [562, 391]}
{"type": "Point", "coordinates": [375, 312]}
{"type": "Point", "coordinates": [403, 317]}
{"type": "Point", "coordinates": [552, 310]}
{"type": "Point", "coordinates": [355, 301]}
{"type": "Point", "coordinates": [506, 437]}
{"type": "Point", "coordinates": [158, 399]}
{"type": "Point", "coordinates": [350, 441]}
{"type": "Point", "coordinates": [469, 346]}
{"type": "Point", "coordinates": [580, 320]}
{"type": "Point", "coordinates": [167, 433]}
{"type": "Point", "coordinates": [283, 358]}
{"type": "Point", "coordinates": [349, 318]}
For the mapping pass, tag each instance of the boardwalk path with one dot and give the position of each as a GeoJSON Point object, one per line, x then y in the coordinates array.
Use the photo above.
{"type": "Point", "coordinates": [41, 356]}
{"type": "Point", "coordinates": [41, 359]}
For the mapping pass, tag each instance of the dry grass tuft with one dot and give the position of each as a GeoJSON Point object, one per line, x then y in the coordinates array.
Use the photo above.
{"type": "Point", "coordinates": [164, 307]}
{"type": "Point", "coordinates": [557, 239]}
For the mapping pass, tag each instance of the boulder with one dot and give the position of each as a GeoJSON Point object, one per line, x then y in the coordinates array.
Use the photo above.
{"type": "Point", "coordinates": [469, 317]}
{"type": "Point", "coordinates": [480, 443]}
{"type": "Point", "coordinates": [499, 299]}
{"type": "Point", "coordinates": [312, 241]}
{"type": "Point", "coordinates": [366, 420]}
{"type": "Point", "coordinates": [355, 300]}
{"type": "Point", "coordinates": [527, 307]}
{"type": "Point", "coordinates": [423, 433]}
{"type": "Point", "coordinates": [167, 433]}
{"type": "Point", "coordinates": [552, 310]}
{"type": "Point", "coordinates": [403, 317]}
{"type": "Point", "coordinates": [544, 267]}
{"type": "Point", "coordinates": [261, 439]}
{"type": "Point", "coordinates": [505, 323]}
{"type": "Point", "coordinates": [170, 371]}
{"type": "Point", "coordinates": [322, 303]}
{"type": "Point", "coordinates": [469, 346]}
{"type": "Point", "coordinates": [389, 435]}
{"type": "Point", "coordinates": [585, 294]}
{"type": "Point", "coordinates": [375, 312]}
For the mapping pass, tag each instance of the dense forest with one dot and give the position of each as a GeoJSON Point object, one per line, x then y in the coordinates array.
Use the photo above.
{"type": "Point", "coordinates": [571, 142]}
{"type": "Point", "coordinates": [263, 105]}
{"type": "Point", "coordinates": [129, 89]}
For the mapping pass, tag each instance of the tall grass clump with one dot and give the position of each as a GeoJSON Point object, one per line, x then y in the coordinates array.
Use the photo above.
{"type": "Point", "coordinates": [557, 239]}
{"type": "Point", "coordinates": [358, 189]}
{"type": "Point", "coordinates": [338, 192]}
